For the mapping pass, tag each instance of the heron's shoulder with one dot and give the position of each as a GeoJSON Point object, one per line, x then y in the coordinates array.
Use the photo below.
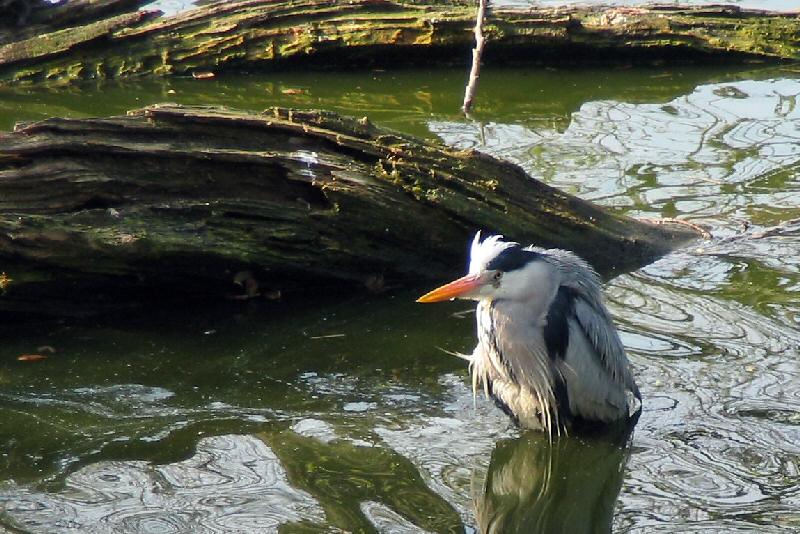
{"type": "Point", "coordinates": [576, 272]}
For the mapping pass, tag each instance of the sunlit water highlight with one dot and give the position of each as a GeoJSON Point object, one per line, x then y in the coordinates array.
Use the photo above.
{"type": "Point", "coordinates": [346, 417]}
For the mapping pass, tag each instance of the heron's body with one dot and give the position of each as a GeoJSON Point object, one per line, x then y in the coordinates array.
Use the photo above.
{"type": "Point", "coordinates": [547, 351]}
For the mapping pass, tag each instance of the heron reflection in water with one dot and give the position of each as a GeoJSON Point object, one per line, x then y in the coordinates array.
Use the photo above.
{"type": "Point", "coordinates": [548, 352]}
{"type": "Point", "coordinates": [569, 486]}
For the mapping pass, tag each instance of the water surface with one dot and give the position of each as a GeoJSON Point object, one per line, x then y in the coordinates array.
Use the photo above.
{"type": "Point", "coordinates": [345, 415]}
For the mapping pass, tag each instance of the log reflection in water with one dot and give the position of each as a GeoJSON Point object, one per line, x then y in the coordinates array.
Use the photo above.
{"type": "Point", "coordinates": [570, 485]}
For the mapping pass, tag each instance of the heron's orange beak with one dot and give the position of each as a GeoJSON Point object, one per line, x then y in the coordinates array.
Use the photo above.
{"type": "Point", "coordinates": [454, 289]}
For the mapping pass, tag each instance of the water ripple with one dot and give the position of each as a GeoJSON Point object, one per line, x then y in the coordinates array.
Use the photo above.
{"type": "Point", "coordinates": [648, 156]}
{"type": "Point", "coordinates": [232, 484]}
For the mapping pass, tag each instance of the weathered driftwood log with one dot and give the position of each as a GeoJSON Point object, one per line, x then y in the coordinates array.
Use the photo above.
{"type": "Point", "coordinates": [269, 33]}
{"type": "Point", "coordinates": [23, 19]}
{"type": "Point", "coordinates": [181, 199]}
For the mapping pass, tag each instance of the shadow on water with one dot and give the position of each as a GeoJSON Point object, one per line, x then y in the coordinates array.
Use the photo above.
{"type": "Point", "coordinates": [362, 488]}
{"type": "Point", "coordinates": [569, 486]}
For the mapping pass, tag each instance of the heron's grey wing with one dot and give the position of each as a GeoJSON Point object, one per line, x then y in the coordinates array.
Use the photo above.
{"type": "Point", "coordinates": [593, 317]}
{"type": "Point", "coordinates": [601, 333]}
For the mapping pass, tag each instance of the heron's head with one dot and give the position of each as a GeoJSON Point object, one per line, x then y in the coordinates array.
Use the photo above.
{"type": "Point", "coordinates": [500, 269]}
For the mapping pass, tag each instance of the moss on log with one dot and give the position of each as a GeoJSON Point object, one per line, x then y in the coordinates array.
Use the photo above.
{"type": "Point", "coordinates": [269, 33]}
{"type": "Point", "coordinates": [179, 200]}
{"type": "Point", "coordinates": [23, 19]}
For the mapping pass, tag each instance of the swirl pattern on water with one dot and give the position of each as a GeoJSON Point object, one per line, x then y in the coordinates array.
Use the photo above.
{"type": "Point", "coordinates": [232, 484]}
{"type": "Point", "coordinates": [696, 154]}
{"type": "Point", "coordinates": [727, 448]}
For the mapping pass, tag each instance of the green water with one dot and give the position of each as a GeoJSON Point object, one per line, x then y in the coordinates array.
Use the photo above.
{"type": "Point", "coordinates": [344, 415]}
{"type": "Point", "coordinates": [405, 99]}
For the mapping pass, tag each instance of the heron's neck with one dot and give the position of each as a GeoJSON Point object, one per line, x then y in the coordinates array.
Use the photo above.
{"type": "Point", "coordinates": [529, 311]}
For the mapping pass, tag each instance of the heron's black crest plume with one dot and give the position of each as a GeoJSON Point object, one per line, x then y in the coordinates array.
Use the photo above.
{"type": "Point", "coordinates": [512, 258]}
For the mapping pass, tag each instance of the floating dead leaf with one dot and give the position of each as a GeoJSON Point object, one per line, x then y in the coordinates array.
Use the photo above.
{"type": "Point", "coordinates": [4, 281]}
{"type": "Point", "coordinates": [203, 75]}
{"type": "Point", "coordinates": [31, 357]}
{"type": "Point", "coordinates": [293, 91]}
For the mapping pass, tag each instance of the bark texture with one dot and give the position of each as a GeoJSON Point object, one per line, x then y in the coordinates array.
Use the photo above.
{"type": "Point", "coordinates": [23, 19]}
{"type": "Point", "coordinates": [268, 34]}
{"type": "Point", "coordinates": [183, 200]}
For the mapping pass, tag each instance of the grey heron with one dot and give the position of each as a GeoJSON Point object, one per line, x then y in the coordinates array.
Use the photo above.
{"type": "Point", "coordinates": [548, 352]}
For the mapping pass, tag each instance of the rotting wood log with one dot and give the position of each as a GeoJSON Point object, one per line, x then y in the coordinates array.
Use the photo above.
{"type": "Point", "coordinates": [182, 200]}
{"type": "Point", "coordinates": [256, 34]}
{"type": "Point", "coordinates": [23, 19]}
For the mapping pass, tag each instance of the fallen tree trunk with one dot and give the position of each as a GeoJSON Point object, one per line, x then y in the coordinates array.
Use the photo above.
{"type": "Point", "coordinates": [184, 200]}
{"type": "Point", "coordinates": [269, 33]}
{"type": "Point", "coordinates": [23, 19]}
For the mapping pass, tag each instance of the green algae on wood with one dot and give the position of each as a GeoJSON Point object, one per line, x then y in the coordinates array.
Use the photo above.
{"type": "Point", "coordinates": [178, 200]}
{"type": "Point", "coordinates": [24, 19]}
{"type": "Point", "coordinates": [268, 33]}
{"type": "Point", "coordinates": [62, 41]}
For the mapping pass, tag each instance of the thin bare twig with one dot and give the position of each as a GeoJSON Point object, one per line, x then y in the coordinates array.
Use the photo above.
{"type": "Point", "coordinates": [475, 71]}
{"type": "Point", "coordinates": [786, 228]}
{"type": "Point", "coordinates": [792, 226]}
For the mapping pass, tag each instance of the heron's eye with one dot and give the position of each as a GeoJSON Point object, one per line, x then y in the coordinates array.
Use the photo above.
{"type": "Point", "coordinates": [497, 276]}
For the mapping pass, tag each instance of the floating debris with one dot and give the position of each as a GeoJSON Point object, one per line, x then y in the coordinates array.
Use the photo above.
{"type": "Point", "coordinates": [248, 282]}
{"type": "Point", "coordinates": [31, 357]}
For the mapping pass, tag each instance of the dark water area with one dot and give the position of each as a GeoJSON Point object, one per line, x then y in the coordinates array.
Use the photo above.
{"type": "Point", "coordinates": [346, 414]}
